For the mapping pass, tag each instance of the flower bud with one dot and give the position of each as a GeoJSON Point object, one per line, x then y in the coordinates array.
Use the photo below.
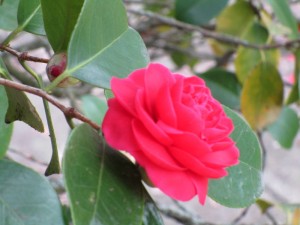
{"type": "Point", "coordinates": [56, 66]}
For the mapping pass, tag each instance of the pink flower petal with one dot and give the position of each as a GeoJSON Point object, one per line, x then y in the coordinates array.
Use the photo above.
{"type": "Point", "coordinates": [195, 165]}
{"type": "Point", "coordinates": [149, 122]}
{"type": "Point", "coordinates": [176, 184]}
{"type": "Point", "coordinates": [154, 151]}
{"type": "Point", "coordinates": [116, 127]}
{"type": "Point", "coordinates": [157, 77]}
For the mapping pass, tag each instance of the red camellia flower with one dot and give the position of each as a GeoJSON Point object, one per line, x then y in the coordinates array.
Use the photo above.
{"type": "Point", "coordinates": [174, 129]}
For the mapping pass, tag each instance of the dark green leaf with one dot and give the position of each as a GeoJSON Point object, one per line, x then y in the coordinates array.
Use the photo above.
{"type": "Point", "coordinates": [243, 185]}
{"type": "Point", "coordinates": [262, 96]}
{"type": "Point", "coordinates": [20, 108]}
{"type": "Point", "coordinates": [94, 108]}
{"type": "Point", "coordinates": [224, 86]}
{"type": "Point", "coordinates": [285, 16]}
{"type": "Point", "coordinates": [151, 215]}
{"type": "Point", "coordinates": [112, 48]}
{"type": "Point", "coordinates": [247, 59]}
{"type": "Point", "coordinates": [8, 12]}
{"type": "Point", "coordinates": [198, 11]}
{"type": "Point", "coordinates": [30, 16]}
{"type": "Point", "coordinates": [60, 18]}
{"type": "Point", "coordinates": [103, 186]}
{"type": "Point", "coordinates": [285, 128]}
{"type": "Point", "coordinates": [26, 198]}
{"type": "Point", "coordinates": [5, 129]}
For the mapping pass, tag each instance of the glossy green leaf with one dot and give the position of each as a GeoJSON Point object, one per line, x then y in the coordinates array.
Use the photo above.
{"type": "Point", "coordinates": [151, 215]}
{"type": "Point", "coordinates": [5, 129]}
{"type": "Point", "coordinates": [94, 108]}
{"type": "Point", "coordinates": [285, 128]}
{"type": "Point", "coordinates": [26, 198]}
{"type": "Point", "coordinates": [243, 185]}
{"type": "Point", "coordinates": [20, 108]}
{"type": "Point", "coordinates": [247, 58]}
{"type": "Point", "coordinates": [112, 48]}
{"type": "Point", "coordinates": [198, 11]}
{"type": "Point", "coordinates": [262, 96]}
{"type": "Point", "coordinates": [295, 91]}
{"type": "Point", "coordinates": [224, 86]}
{"type": "Point", "coordinates": [228, 23]}
{"type": "Point", "coordinates": [103, 186]}
{"type": "Point", "coordinates": [285, 16]}
{"type": "Point", "coordinates": [8, 12]}
{"type": "Point", "coordinates": [60, 18]}
{"type": "Point", "coordinates": [30, 16]}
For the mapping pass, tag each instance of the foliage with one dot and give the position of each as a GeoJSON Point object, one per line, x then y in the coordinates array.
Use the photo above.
{"type": "Point", "coordinates": [101, 41]}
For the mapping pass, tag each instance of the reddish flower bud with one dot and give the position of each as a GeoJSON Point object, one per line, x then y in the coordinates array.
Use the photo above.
{"type": "Point", "coordinates": [56, 66]}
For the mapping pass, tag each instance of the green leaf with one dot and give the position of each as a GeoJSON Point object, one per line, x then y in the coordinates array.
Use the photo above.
{"type": "Point", "coordinates": [285, 128]}
{"type": "Point", "coordinates": [108, 94]}
{"type": "Point", "coordinates": [263, 205]}
{"type": "Point", "coordinates": [60, 18]}
{"type": "Point", "coordinates": [26, 198]}
{"type": "Point", "coordinates": [112, 48]}
{"type": "Point", "coordinates": [198, 11]}
{"type": "Point", "coordinates": [228, 23]}
{"type": "Point", "coordinates": [224, 86]}
{"type": "Point", "coordinates": [285, 16]}
{"type": "Point", "coordinates": [243, 185]}
{"type": "Point", "coordinates": [103, 186]}
{"type": "Point", "coordinates": [151, 215]}
{"type": "Point", "coordinates": [20, 108]}
{"type": "Point", "coordinates": [262, 96]}
{"type": "Point", "coordinates": [247, 59]}
{"type": "Point", "coordinates": [94, 108]}
{"type": "Point", "coordinates": [8, 12]}
{"type": "Point", "coordinates": [30, 16]}
{"type": "Point", "coordinates": [5, 129]}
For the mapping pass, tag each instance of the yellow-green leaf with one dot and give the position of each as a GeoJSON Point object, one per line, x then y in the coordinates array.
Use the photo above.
{"type": "Point", "coordinates": [262, 96]}
{"type": "Point", "coordinates": [227, 23]}
{"type": "Point", "coordinates": [247, 58]}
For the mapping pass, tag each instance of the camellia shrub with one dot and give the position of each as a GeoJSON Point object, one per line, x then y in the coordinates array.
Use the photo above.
{"type": "Point", "coordinates": [189, 136]}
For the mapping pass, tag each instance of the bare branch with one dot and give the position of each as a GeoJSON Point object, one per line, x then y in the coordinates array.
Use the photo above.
{"type": "Point", "coordinates": [68, 111]}
{"type": "Point", "coordinates": [23, 55]}
{"type": "Point", "coordinates": [227, 39]}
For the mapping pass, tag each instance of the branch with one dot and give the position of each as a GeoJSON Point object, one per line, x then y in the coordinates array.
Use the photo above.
{"type": "Point", "coordinates": [68, 111]}
{"type": "Point", "coordinates": [23, 56]}
{"type": "Point", "coordinates": [227, 39]}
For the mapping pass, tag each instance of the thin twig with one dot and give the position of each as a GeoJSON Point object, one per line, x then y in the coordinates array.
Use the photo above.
{"type": "Point", "coordinates": [231, 40]}
{"type": "Point", "coordinates": [270, 217]}
{"type": "Point", "coordinates": [68, 111]}
{"type": "Point", "coordinates": [181, 216]}
{"type": "Point", "coordinates": [23, 56]}
{"type": "Point", "coordinates": [241, 216]}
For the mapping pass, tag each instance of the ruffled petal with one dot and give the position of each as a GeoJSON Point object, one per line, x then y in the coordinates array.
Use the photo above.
{"type": "Point", "coordinates": [165, 109]}
{"type": "Point", "coordinates": [153, 150]}
{"type": "Point", "coordinates": [196, 166]}
{"type": "Point", "coordinates": [125, 91]}
{"type": "Point", "coordinates": [176, 184]}
{"type": "Point", "coordinates": [116, 127]}
{"type": "Point", "coordinates": [201, 184]}
{"type": "Point", "coordinates": [187, 119]}
{"type": "Point", "coordinates": [157, 77]}
{"type": "Point", "coordinates": [149, 122]}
